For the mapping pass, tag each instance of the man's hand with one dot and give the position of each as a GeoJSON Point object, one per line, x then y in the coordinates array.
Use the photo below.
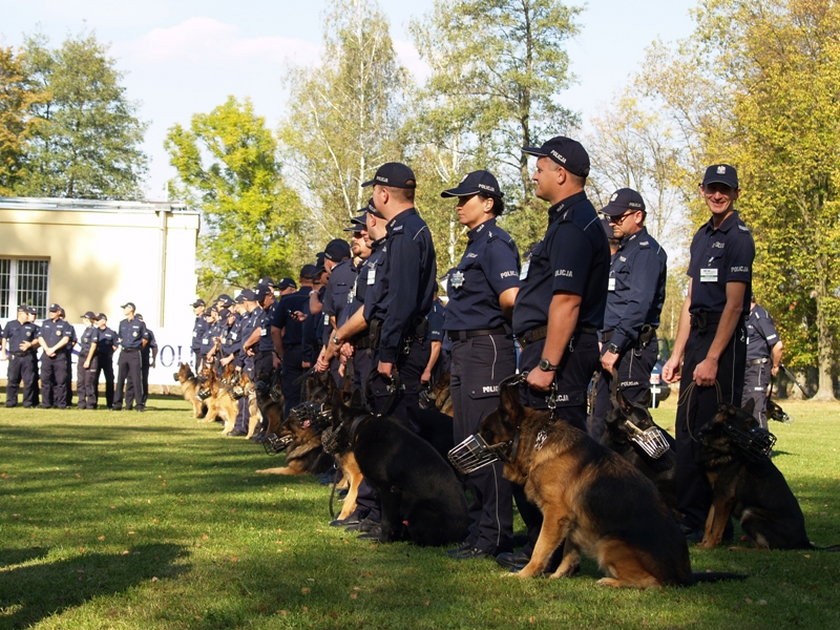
{"type": "Point", "coordinates": [385, 369]}
{"type": "Point", "coordinates": [426, 377]}
{"type": "Point", "coordinates": [705, 373]}
{"type": "Point", "coordinates": [671, 370]}
{"type": "Point", "coordinates": [608, 360]}
{"type": "Point", "coordinates": [540, 380]}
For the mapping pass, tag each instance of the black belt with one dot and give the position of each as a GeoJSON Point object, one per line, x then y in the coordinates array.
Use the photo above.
{"type": "Point", "coordinates": [701, 320]}
{"type": "Point", "coordinates": [22, 353]}
{"type": "Point", "coordinates": [540, 332]}
{"type": "Point", "coordinates": [131, 349]}
{"type": "Point", "coordinates": [463, 335]}
{"type": "Point", "coordinates": [757, 361]}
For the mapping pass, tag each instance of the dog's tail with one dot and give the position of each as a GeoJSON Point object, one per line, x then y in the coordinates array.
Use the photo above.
{"type": "Point", "coordinates": [716, 576]}
{"type": "Point", "coordinates": [829, 548]}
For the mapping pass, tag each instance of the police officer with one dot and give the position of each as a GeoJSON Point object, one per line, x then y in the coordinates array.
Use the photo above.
{"type": "Point", "coordinates": [342, 276]}
{"type": "Point", "coordinates": [710, 347]}
{"type": "Point", "coordinates": [764, 358]}
{"type": "Point", "coordinates": [634, 301]}
{"type": "Point", "coordinates": [56, 338]}
{"type": "Point", "coordinates": [211, 320]}
{"type": "Point", "coordinates": [287, 331]}
{"type": "Point", "coordinates": [21, 345]}
{"type": "Point", "coordinates": [88, 365]}
{"type": "Point", "coordinates": [200, 327]}
{"type": "Point", "coordinates": [148, 358]}
{"type": "Point", "coordinates": [105, 358]}
{"type": "Point", "coordinates": [132, 336]}
{"type": "Point", "coordinates": [482, 289]}
{"type": "Point", "coordinates": [438, 359]}
{"type": "Point", "coordinates": [560, 305]}
{"type": "Point", "coordinates": [286, 286]}
{"type": "Point", "coordinates": [396, 309]}
{"type": "Point", "coordinates": [266, 360]}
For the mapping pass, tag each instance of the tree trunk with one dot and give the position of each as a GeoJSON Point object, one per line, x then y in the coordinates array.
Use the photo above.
{"type": "Point", "coordinates": [825, 388]}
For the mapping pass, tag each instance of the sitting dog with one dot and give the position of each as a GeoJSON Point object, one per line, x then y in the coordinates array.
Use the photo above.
{"type": "Point", "coordinates": [220, 402]}
{"type": "Point", "coordinates": [745, 483]}
{"type": "Point", "coordinates": [421, 498]}
{"type": "Point", "coordinates": [301, 431]}
{"type": "Point", "coordinates": [588, 495]}
{"type": "Point", "coordinates": [189, 389]}
{"type": "Point", "coordinates": [627, 429]}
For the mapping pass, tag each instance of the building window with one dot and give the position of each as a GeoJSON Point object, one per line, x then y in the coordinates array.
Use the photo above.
{"type": "Point", "coordinates": [23, 282]}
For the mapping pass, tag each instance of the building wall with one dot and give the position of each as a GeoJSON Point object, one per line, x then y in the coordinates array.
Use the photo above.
{"type": "Point", "coordinates": [105, 253]}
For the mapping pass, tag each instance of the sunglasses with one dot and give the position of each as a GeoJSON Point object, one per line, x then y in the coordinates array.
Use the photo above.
{"type": "Point", "coordinates": [621, 217]}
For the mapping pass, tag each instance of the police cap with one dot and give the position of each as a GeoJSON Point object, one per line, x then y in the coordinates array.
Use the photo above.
{"type": "Point", "coordinates": [624, 200]}
{"type": "Point", "coordinates": [568, 153]}
{"type": "Point", "coordinates": [477, 182]}
{"type": "Point", "coordinates": [394, 175]}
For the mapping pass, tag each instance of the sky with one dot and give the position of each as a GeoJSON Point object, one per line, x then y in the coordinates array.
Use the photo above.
{"type": "Point", "coordinates": [182, 57]}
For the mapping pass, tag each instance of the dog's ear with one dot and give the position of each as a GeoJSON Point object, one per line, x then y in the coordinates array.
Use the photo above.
{"type": "Point", "coordinates": [619, 400]}
{"type": "Point", "coordinates": [509, 403]}
{"type": "Point", "coordinates": [644, 400]}
{"type": "Point", "coordinates": [750, 406]}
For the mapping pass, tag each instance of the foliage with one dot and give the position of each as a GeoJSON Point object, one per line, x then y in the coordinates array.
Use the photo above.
{"type": "Point", "coordinates": [768, 101]}
{"type": "Point", "coordinates": [86, 142]}
{"type": "Point", "coordinates": [498, 69]}
{"type": "Point", "coordinates": [228, 167]}
{"type": "Point", "coordinates": [127, 520]}
{"type": "Point", "coordinates": [17, 97]}
{"type": "Point", "coordinates": [344, 116]}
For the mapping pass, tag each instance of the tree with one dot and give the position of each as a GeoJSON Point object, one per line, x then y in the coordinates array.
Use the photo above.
{"type": "Point", "coordinates": [18, 96]}
{"type": "Point", "coordinates": [772, 69]}
{"type": "Point", "coordinates": [228, 167]}
{"type": "Point", "coordinates": [86, 143]}
{"type": "Point", "coordinates": [498, 68]}
{"type": "Point", "coordinates": [345, 115]}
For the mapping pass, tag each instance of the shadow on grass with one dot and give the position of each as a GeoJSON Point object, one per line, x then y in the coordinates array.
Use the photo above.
{"type": "Point", "coordinates": [33, 592]}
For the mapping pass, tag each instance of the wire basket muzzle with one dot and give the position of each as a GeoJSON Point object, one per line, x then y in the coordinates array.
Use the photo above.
{"type": "Point", "coordinates": [472, 454]}
{"type": "Point", "coordinates": [652, 441]}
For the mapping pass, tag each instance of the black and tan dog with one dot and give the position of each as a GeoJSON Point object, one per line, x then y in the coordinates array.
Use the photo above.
{"type": "Point", "coordinates": [591, 497]}
{"type": "Point", "coordinates": [745, 483]}
{"type": "Point", "coordinates": [220, 402]}
{"type": "Point", "coordinates": [302, 431]}
{"type": "Point", "coordinates": [421, 497]}
{"type": "Point", "coordinates": [626, 426]}
{"type": "Point", "coordinates": [189, 389]}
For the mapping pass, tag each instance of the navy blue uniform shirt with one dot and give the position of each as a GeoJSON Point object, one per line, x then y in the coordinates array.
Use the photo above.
{"type": "Point", "coordinates": [200, 329]}
{"type": "Point", "coordinates": [232, 341]}
{"type": "Point", "coordinates": [17, 333]}
{"type": "Point", "coordinates": [131, 333]}
{"type": "Point", "coordinates": [284, 318]}
{"type": "Point", "coordinates": [489, 266]}
{"type": "Point", "coordinates": [107, 341]}
{"type": "Point", "coordinates": [574, 257]}
{"type": "Point", "coordinates": [761, 334]}
{"type": "Point", "coordinates": [90, 336]}
{"type": "Point", "coordinates": [403, 294]}
{"type": "Point", "coordinates": [53, 331]}
{"type": "Point", "coordinates": [636, 288]}
{"type": "Point", "coordinates": [266, 344]}
{"type": "Point", "coordinates": [342, 279]}
{"type": "Point", "coordinates": [351, 303]}
{"type": "Point", "coordinates": [719, 256]}
{"type": "Point", "coordinates": [436, 317]}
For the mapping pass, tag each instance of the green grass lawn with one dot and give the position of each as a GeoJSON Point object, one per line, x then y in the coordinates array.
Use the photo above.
{"type": "Point", "coordinates": [129, 520]}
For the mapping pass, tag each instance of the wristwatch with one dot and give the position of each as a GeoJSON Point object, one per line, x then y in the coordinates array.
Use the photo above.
{"type": "Point", "coordinates": [546, 366]}
{"type": "Point", "coordinates": [611, 347]}
{"type": "Point", "coordinates": [336, 340]}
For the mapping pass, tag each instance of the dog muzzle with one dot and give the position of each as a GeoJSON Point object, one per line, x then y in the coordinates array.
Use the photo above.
{"type": "Point", "coordinates": [204, 393]}
{"type": "Point", "coordinates": [755, 444]}
{"type": "Point", "coordinates": [274, 444]}
{"type": "Point", "coordinates": [652, 440]}
{"type": "Point", "coordinates": [475, 453]}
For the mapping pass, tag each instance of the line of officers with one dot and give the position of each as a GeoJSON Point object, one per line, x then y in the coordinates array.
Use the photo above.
{"type": "Point", "coordinates": [49, 385]}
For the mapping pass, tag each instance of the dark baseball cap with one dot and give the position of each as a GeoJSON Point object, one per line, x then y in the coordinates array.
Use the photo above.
{"type": "Point", "coordinates": [55, 307]}
{"type": "Point", "coordinates": [246, 295]}
{"type": "Point", "coordinates": [198, 302]}
{"type": "Point", "coordinates": [131, 304]}
{"type": "Point", "coordinates": [285, 283]}
{"type": "Point", "coordinates": [337, 250]}
{"type": "Point", "coordinates": [359, 223]}
{"type": "Point", "coordinates": [225, 299]}
{"type": "Point", "coordinates": [31, 310]}
{"type": "Point", "coordinates": [308, 272]}
{"type": "Point", "coordinates": [225, 313]}
{"type": "Point", "coordinates": [721, 174]}
{"type": "Point", "coordinates": [477, 182]}
{"type": "Point", "coordinates": [394, 175]}
{"type": "Point", "coordinates": [102, 316]}
{"type": "Point", "coordinates": [568, 153]}
{"type": "Point", "coordinates": [623, 200]}
{"type": "Point", "coordinates": [266, 282]}
{"type": "Point", "coordinates": [263, 290]}
{"type": "Point", "coordinates": [89, 315]}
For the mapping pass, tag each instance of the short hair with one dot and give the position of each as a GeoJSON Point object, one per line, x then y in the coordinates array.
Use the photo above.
{"type": "Point", "coordinates": [498, 205]}
{"type": "Point", "coordinates": [401, 194]}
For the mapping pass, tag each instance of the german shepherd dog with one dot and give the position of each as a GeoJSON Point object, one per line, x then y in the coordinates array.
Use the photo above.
{"type": "Point", "coordinates": [591, 497]}
{"type": "Point", "coordinates": [745, 483]}
{"type": "Point", "coordinates": [220, 402]}
{"type": "Point", "coordinates": [189, 388]}
{"type": "Point", "coordinates": [243, 387]}
{"type": "Point", "coordinates": [305, 423]}
{"type": "Point", "coordinates": [626, 426]}
{"type": "Point", "coordinates": [421, 497]}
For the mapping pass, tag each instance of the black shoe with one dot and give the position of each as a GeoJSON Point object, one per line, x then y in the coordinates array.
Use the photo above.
{"type": "Point", "coordinates": [365, 525]}
{"type": "Point", "coordinates": [513, 560]}
{"type": "Point", "coordinates": [375, 533]}
{"type": "Point", "coordinates": [237, 433]}
{"type": "Point", "coordinates": [115, 408]}
{"type": "Point", "coordinates": [45, 406]}
{"type": "Point", "coordinates": [345, 522]}
{"type": "Point", "coordinates": [140, 408]}
{"type": "Point", "coordinates": [464, 546]}
{"type": "Point", "coordinates": [691, 535]}
{"type": "Point", "coordinates": [472, 552]}
{"type": "Point", "coordinates": [259, 438]}
{"type": "Point", "coordinates": [9, 406]}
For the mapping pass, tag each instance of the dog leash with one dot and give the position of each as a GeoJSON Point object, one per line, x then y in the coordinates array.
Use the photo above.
{"type": "Point", "coordinates": [685, 399]}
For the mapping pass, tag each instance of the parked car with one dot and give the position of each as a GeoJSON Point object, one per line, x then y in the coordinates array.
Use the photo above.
{"type": "Point", "coordinates": [659, 389]}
